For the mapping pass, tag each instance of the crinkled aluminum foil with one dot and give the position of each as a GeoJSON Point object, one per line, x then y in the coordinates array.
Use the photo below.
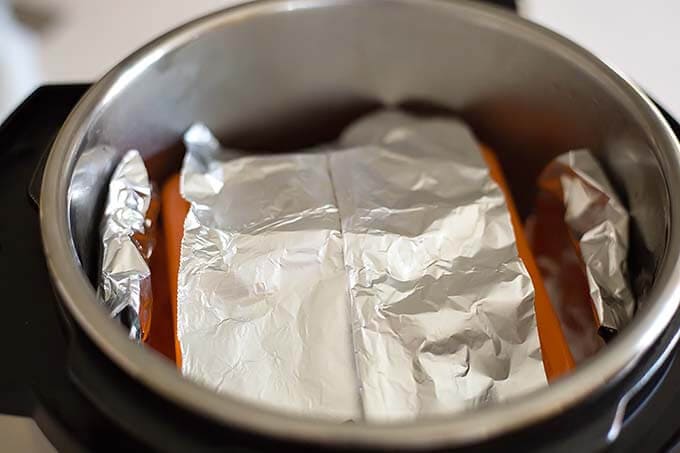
{"type": "Point", "coordinates": [564, 276]}
{"type": "Point", "coordinates": [401, 234]}
{"type": "Point", "coordinates": [262, 309]}
{"type": "Point", "coordinates": [127, 242]}
{"type": "Point", "coordinates": [598, 221]}
{"type": "Point", "coordinates": [442, 305]}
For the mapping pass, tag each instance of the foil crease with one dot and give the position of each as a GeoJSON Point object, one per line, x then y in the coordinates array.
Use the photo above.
{"type": "Point", "coordinates": [598, 221]}
{"type": "Point", "coordinates": [126, 240]}
{"type": "Point", "coordinates": [442, 305]}
{"type": "Point", "coordinates": [377, 281]}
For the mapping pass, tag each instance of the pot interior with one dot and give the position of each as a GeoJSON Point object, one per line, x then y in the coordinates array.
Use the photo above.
{"type": "Point", "coordinates": [278, 76]}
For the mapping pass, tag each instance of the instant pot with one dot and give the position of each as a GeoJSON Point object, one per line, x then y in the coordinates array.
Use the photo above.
{"type": "Point", "coordinates": [279, 75]}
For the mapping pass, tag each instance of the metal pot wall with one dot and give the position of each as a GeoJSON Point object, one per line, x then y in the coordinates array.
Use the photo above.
{"type": "Point", "coordinates": [277, 75]}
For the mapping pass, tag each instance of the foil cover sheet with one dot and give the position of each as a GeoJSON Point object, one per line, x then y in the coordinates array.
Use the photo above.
{"type": "Point", "coordinates": [262, 309]}
{"type": "Point", "coordinates": [442, 305]}
{"type": "Point", "coordinates": [598, 221]}
{"type": "Point", "coordinates": [400, 234]}
{"type": "Point", "coordinates": [127, 242]}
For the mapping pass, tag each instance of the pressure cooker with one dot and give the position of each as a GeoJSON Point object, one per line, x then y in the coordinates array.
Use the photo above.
{"type": "Point", "coordinates": [280, 75]}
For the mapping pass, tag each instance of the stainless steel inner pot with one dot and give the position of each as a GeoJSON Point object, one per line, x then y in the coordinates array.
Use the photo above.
{"type": "Point", "coordinates": [281, 74]}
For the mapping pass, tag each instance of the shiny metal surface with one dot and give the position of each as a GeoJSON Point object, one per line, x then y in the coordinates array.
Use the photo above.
{"type": "Point", "coordinates": [262, 307]}
{"type": "Point", "coordinates": [283, 74]}
{"type": "Point", "coordinates": [127, 243]}
{"type": "Point", "coordinates": [442, 305]}
{"type": "Point", "coordinates": [403, 213]}
{"type": "Point", "coordinates": [599, 223]}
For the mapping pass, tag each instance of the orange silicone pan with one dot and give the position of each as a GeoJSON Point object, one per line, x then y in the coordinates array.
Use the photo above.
{"type": "Point", "coordinates": [557, 358]}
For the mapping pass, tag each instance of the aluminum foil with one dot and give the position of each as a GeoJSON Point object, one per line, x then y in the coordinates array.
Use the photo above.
{"type": "Point", "coordinates": [442, 305]}
{"type": "Point", "coordinates": [262, 310]}
{"type": "Point", "coordinates": [378, 281]}
{"type": "Point", "coordinates": [127, 242]}
{"type": "Point", "coordinates": [564, 276]}
{"type": "Point", "coordinates": [598, 221]}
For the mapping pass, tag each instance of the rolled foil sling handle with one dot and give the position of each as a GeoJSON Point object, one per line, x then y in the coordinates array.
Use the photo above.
{"type": "Point", "coordinates": [598, 224]}
{"type": "Point", "coordinates": [579, 232]}
{"type": "Point", "coordinates": [127, 242]}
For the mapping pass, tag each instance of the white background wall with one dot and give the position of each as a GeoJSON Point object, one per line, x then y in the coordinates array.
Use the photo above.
{"type": "Point", "coordinates": [639, 37]}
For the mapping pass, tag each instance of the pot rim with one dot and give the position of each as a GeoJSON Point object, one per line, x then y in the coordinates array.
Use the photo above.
{"type": "Point", "coordinates": [475, 425]}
